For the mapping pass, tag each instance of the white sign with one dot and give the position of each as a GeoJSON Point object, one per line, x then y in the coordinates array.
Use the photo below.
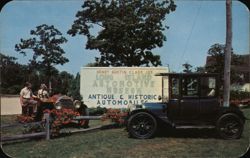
{"type": "Point", "coordinates": [117, 87]}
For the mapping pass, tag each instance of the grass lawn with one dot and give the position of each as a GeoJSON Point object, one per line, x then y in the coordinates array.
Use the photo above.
{"type": "Point", "coordinates": [116, 143]}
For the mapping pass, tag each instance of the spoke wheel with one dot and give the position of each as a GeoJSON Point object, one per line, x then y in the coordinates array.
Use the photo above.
{"type": "Point", "coordinates": [142, 125]}
{"type": "Point", "coordinates": [230, 126]}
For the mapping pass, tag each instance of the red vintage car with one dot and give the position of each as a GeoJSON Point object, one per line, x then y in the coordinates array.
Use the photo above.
{"type": "Point", "coordinates": [62, 108]}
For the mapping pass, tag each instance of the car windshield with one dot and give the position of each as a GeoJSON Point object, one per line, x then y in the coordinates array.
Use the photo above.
{"type": "Point", "coordinates": [66, 103]}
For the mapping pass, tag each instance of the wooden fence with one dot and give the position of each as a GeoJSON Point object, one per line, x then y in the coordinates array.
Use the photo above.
{"type": "Point", "coordinates": [45, 134]}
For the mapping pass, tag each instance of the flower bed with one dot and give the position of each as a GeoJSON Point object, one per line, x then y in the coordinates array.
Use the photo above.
{"type": "Point", "coordinates": [25, 119]}
{"type": "Point", "coordinates": [60, 118]}
{"type": "Point", "coordinates": [116, 115]}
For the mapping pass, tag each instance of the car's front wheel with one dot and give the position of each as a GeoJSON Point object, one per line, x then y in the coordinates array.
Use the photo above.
{"type": "Point", "coordinates": [230, 126]}
{"type": "Point", "coordinates": [142, 125]}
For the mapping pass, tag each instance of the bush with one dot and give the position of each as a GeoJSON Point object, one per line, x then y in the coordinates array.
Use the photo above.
{"type": "Point", "coordinates": [239, 95]}
{"type": "Point", "coordinates": [117, 116]}
{"type": "Point", "coordinates": [97, 111]}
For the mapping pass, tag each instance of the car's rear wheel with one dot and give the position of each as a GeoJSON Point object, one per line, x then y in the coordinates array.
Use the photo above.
{"type": "Point", "coordinates": [230, 126]}
{"type": "Point", "coordinates": [142, 125]}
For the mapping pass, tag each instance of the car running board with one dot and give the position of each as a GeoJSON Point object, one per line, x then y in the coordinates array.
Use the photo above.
{"type": "Point", "coordinates": [195, 126]}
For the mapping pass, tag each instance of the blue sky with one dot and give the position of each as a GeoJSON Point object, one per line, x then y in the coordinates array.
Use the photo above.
{"type": "Point", "coordinates": [194, 27]}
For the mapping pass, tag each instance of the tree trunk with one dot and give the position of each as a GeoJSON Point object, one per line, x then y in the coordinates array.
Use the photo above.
{"type": "Point", "coordinates": [227, 64]}
{"type": "Point", "coordinates": [48, 76]}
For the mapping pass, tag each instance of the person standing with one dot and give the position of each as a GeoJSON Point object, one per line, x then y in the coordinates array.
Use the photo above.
{"type": "Point", "coordinates": [43, 93]}
{"type": "Point", "coordinates": [29, 105]}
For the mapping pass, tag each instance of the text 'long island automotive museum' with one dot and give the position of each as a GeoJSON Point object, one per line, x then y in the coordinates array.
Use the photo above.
{"type": "Point", "coordinates": [117, 87]}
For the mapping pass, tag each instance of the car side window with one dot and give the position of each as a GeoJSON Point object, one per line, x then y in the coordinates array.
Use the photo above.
{"type": "Point", "coordinates": [208, 85]}
{"type": "Point", "coordinates": [175, 84]}
{"type": "Point", "coordinates": [189, 87]}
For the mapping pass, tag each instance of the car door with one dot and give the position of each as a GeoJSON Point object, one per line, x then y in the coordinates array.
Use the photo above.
{"type": "Point", "coordinates": [209, 103]}
{"type": "Point", "coordinates": [173, 110]}
{"type": "Point", "coordinates": [189, 102]}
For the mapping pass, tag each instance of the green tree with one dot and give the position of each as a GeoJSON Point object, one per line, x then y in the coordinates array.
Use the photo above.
{"type": "Point", "coordinates": [94, 64]}
{"type": "Point", "coordinates": [187, 67]}
{"type": "Point", "coordinates": [60, 81]}
{"type": "Point", "coordinates": [74, 89]}
{"type": "Point", "coordinates": [45, 45]}
{"type": "Point", "coordinates": [12, 75]}
{"type": "Point", "coordinates": [200, 69]}
{"type": "Point", "coordinates": [128, 30]}
{"type": "Point", "coordinates": [217, 53]}
{"type": "Point", "coordinates": [64, 80]}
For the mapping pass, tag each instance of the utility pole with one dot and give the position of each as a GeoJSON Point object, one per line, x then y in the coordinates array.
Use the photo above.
{"type": "Point", "coordinates": [228, 49]}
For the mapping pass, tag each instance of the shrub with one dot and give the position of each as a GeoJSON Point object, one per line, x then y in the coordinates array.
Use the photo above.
{"type": "Point", "coordinates": [117, 116]}
{"type": "Point", "coordinates": [239, 95]}
{"type": "Point", "coordinates": [97, 111]}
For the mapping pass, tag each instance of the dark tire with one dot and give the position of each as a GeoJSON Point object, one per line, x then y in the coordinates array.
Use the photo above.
{"type": "Point", "coordinates": [142, 125]}
{"type": "Point", "coordinates": [230, 126]}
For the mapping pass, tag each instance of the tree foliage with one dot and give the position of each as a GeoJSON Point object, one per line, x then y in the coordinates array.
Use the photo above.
{"type": "Point", "coordinates": [11, 74]}
{"type": "Point", "coordinates": [94, 64]}
{"type": "Point", "coordinates": [200, 69]}
{"type": "Point", "coordinates": [63, 82]}
{"type": "Point", "coordinates": [217, 53]}
{"type": "Point", "coordinates": [128, 30]}
{"type": "Point", "coordinates": [187, 67]}
{"type": "Point", "coordinates": [14, 75]}
{"type": "Point", "coordinates": [74, 88]}
{"type": "Point", "coordinates": [45, 45]}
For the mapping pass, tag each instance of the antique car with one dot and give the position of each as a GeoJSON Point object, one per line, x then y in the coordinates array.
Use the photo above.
{"type": "Point", "coordinates": [62, 104]}
{"type": "Point", "coordinates": [189, 100]}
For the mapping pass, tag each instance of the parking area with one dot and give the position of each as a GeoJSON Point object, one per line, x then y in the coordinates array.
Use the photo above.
{"type": "Point", "coordinates": [10, 105]}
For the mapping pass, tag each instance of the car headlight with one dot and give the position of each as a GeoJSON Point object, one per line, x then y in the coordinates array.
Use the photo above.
{"type": "Point", "coordinates": [131, 107]}
{"type": "Point", "coordinates": [77, 104]}
{"type": "Point", "coordinates": [58, 106]}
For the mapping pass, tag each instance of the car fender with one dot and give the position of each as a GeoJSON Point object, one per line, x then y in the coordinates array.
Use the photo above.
{"type": "Point", "coordinates": [157, 110]}
{"type": "Point", "coordinates": [232, 109]}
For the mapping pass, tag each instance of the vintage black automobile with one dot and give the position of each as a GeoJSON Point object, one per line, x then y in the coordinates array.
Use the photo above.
{"type": "Point", "coordinates": [189, 100]}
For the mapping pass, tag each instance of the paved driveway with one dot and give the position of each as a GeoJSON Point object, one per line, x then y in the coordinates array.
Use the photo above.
{"type": "Point", "coordinates": [10, 105]}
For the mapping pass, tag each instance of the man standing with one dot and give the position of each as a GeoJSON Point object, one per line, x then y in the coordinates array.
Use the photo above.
{"type": "Point", "coordinates": [29, 105]}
